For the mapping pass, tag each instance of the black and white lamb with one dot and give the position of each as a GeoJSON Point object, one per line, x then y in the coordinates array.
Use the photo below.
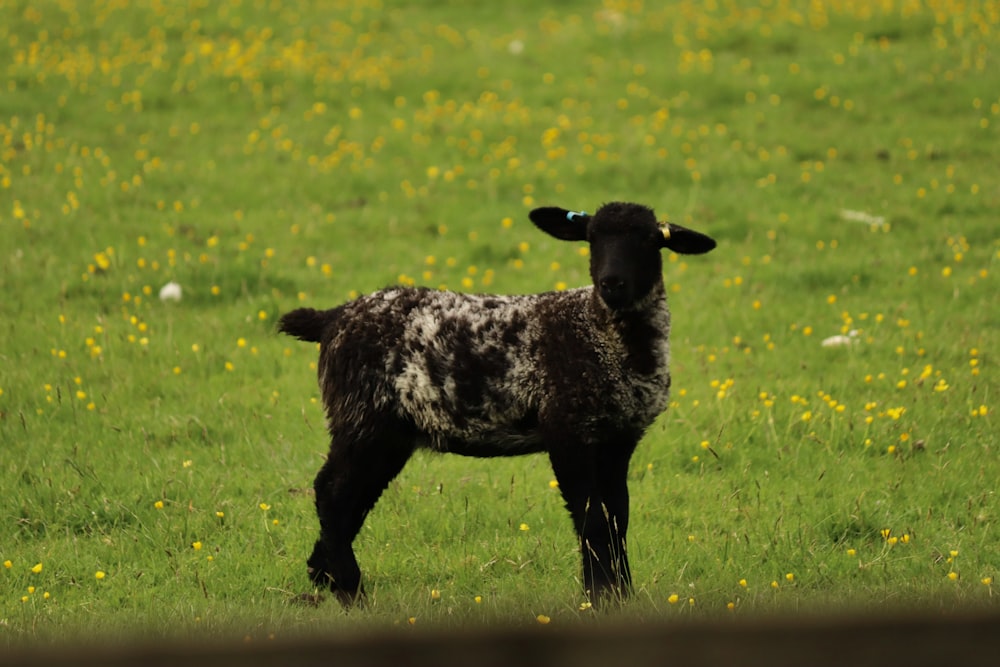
{"type": "Point", "coordinates": [579, 374]}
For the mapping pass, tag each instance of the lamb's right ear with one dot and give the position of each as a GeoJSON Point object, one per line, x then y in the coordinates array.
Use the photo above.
{"type": "Point", "coordinates": [560, 223]}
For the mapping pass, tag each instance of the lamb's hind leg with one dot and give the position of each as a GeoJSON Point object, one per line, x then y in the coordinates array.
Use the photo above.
{"type": "Point", "coordinates": [348, 485]}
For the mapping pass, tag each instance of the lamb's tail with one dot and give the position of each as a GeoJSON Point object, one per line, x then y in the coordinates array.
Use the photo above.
{"type": "Point", "coordinates": [307, 324]}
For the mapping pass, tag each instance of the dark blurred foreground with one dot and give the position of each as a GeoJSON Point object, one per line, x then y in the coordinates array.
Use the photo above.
{"type": "Point", "coordinates": [845, 641]}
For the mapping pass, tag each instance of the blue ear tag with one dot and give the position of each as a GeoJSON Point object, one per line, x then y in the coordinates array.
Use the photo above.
{"type": "Point", "coordinates": [570, 215]}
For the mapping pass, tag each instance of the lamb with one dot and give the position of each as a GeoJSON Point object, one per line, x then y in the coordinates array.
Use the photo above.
{"type": "Point", "coordinates": [578, 374]}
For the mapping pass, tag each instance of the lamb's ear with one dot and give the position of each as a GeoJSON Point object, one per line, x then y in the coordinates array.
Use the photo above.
{"type": "Point", "coordinates": [560, 223]}
{"type": "Point", "coordinates": [685, 241]}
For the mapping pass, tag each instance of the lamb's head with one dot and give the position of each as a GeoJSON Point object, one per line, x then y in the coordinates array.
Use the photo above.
{"type": "Point", "coordinates": [625, 242]}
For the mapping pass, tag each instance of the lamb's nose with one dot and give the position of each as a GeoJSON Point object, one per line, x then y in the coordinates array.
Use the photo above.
{"type": "Point", "coordinates": [612, 284]}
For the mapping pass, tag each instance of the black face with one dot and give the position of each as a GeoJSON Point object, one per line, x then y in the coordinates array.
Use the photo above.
{"type": "Point", "coordinates": [625, 262]}
{"type": "Point", "coordinates": [625, 243]}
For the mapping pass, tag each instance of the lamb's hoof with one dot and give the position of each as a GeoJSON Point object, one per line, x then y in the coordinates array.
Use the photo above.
{"type": "Point", "coordinates": [308, 599]}
{"type": "Point", "coordinates": [348, 599]}
{"type": "Point", "coordinates": [608, 598]}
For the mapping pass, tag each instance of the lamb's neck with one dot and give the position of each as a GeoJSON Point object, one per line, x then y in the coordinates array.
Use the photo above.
{"type": "Point", "coordinates": [650, 309]}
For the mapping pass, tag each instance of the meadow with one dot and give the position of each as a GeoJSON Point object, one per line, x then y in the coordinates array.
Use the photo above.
{"type": "Point", "coordinates": [157, 456]}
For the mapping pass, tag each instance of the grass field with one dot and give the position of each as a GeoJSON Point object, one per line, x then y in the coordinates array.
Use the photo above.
{"type": "Point", "coordinates": [156, 457]}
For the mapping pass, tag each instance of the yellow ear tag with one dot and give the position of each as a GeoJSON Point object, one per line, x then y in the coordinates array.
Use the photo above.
{"type": "Point", "coordinates": [665, 230]}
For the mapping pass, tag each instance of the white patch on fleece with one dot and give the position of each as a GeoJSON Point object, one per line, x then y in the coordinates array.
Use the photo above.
{"type": "Point", "coordinates": [480, 322]}
{"type": "Point", "coordinates": [415, 380]}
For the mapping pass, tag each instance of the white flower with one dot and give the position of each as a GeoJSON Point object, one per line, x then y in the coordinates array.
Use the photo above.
{"type": "Point", "coordinates": [863, 217]}
{"type": "Point", "coordinates": [840, 341]}
{"type": "Point", "coordinates": [170, 292]}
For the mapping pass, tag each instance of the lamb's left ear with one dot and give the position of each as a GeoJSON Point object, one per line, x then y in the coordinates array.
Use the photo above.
{"type": "Point", "coordinates": [685, 241]}
{"type": "Point", "coordinates": [560, 223]}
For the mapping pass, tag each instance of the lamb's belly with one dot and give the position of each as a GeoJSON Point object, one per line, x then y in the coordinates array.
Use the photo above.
{"type": "Point", "coordinates": [511, 441]}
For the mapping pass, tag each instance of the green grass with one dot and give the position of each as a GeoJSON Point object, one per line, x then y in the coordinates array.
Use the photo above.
{"type": "Point", "coordinates": [267, 158]}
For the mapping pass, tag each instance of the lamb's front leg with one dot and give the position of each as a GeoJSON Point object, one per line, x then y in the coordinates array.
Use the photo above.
{"type": "Point", "coordinates": [594, 486]}
{"type": "Point", "coordinates": [612, 484]}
